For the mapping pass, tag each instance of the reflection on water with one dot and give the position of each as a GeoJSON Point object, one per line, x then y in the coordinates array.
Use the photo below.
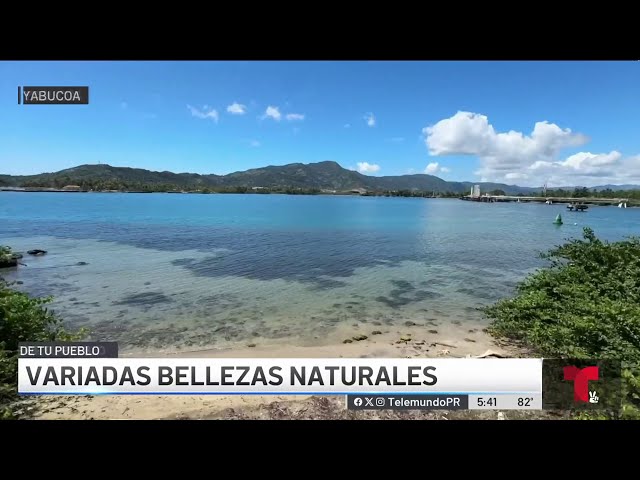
{"type": "Point", "coordinates": [202, 270]}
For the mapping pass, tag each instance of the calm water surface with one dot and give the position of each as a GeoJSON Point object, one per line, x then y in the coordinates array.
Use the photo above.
{"type": "Point", "coordinates": [217, 270]}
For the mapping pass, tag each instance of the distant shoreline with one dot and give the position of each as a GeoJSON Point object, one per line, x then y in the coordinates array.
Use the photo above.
{"type": "Point", "coordinates": [592, 201]}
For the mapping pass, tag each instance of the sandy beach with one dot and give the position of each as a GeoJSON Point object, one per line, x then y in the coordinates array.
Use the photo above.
{"type": "Point", "coordinates": [407, 342]}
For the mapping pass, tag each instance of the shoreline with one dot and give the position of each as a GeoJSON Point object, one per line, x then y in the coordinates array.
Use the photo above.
{"type": "Point", "coordinates": [591, 201]}
{"type": "Point", "coordinates": [451, 342]}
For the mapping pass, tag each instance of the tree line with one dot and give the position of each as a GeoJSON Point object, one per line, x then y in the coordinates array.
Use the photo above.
{"type": "Point", "coordinates": [98, 185]}
{"type": "Point", "coordinates": [135, 186]}
{"type": "Point", "coordinates": [129, 186]}
{"type": "Point", "coordinates": [584, 192]}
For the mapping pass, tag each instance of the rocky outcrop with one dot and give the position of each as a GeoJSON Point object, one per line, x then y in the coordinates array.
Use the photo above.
{"type": "Point", "coordinates": [8, 262]}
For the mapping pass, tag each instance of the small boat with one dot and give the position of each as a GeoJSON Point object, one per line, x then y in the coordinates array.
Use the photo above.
{"type": "Point", "coordinates": [578, 207]}
{"type": "Point", "coordinates": [622, 205]}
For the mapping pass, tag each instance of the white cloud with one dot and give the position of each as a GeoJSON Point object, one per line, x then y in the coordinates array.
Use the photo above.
{"type": "Point", "coordinates": [272, 112]}
{"type": "Point", "coordinates": [364, 167]}
{"type": "Point", "coordinates": [370, 119]}
{"type": "Point", "coordinates": [533, 158]}
{"type": "Point", "coordinates": [431, 168]}
{"type": "Point", "coordinates": [434, 167]}
{"type": "Point", "coordinates": [586, 161]}
{"type": "Point", "coordinates": [587, 169]}
{"type": "Point", "coordinates": [294, 116]}
{"type": "Point", "coordinates": [237, 109]}
{"type": "Point", "coordinates": [204, 113]}
{"type": "Point", "coordinates": [516, 176]}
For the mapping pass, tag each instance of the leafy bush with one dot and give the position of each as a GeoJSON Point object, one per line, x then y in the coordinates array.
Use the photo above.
{"type": "Point", "coordinates": [586, 304]}
{"type": "Point", "coordinates": [22, 319]}
{"type": "Point", "coordinates": [5, 254]}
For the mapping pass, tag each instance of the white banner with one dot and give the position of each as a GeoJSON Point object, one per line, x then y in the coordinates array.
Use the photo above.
{"type": "Point", "coordinates": [202, 376]}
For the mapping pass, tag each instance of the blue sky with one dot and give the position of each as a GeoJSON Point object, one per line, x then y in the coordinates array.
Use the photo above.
{"type": "Point", "coordinates": [517, 122]}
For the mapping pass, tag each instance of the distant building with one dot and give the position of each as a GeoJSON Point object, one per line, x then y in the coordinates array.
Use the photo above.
{"type": "Point", "coordinates": [72, 188]}
{"type": "Point", "coordinates": [475, 191]}
{"type": "Point", "coordinates": [360, 191]}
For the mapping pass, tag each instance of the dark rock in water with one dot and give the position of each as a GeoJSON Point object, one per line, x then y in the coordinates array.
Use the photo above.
{"type": "Point", "coordinates": [82, 263]}
{"type": "Point", "coordinates": [469, 340]}
{"type": "Point", "coordinates": [425, 294]}
{"type": "Point", "coordinates": [19, 282]}
{"type": "Point", "coordinates": [409, 323]}
{"type": "Point", "coordinates": [146, 298]}
{"type": "Point", "coordinates": [376, 332]}
{"type": "Point", "coordinates": [251, 345]}
{"type": "Point", "coordinates": [12, 262]}
{"type": "Point", "coordinates": [359, 338]}
{"type": "Point", "coordinates": [403, 285]}
{"type": "Point", "coordinates": [348, 340]}
{"type": "Point", "coordinates": [37, 252]}
{"type": "Point", "coordinates": [17, 256]}
{"type": "Point", "coordinates": [147, 283]}
{"type": "Point", "coordinates": [433, 331]}
{"type": "Point", "coordinates": [391, 302]}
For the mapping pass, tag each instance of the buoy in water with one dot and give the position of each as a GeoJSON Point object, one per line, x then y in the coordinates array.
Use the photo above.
{"type": "Point", "coordinates": [558, 220]}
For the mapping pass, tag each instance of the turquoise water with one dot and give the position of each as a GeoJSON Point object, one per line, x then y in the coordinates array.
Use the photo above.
{"type": "Point", "coordinates": [217, 270]}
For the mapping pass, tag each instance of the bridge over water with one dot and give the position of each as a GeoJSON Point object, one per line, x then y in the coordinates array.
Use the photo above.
{"type": "Point", "coordinates": [554, 200]}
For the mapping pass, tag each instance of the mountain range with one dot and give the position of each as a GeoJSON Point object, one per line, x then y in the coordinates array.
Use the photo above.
{"type": "Point", "coordinates": [325, 175]}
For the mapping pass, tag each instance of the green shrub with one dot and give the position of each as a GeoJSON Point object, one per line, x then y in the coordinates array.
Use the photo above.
{"type": "Point", "coordinates": [585, 304]}
{"type": "Point", "coordinates": [22, 319]}
{"type": "Point", "coordinates": [5, 254]}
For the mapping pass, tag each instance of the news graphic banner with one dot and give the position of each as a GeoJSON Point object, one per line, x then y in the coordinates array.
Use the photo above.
{"type": "Point", "coordinates": [53, 95]}
{"type": "Point", "coordinates": [93, 368]}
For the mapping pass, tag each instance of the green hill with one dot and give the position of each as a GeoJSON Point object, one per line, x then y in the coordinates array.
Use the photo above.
{"type": "Point", "coordinates": [322, 175]}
